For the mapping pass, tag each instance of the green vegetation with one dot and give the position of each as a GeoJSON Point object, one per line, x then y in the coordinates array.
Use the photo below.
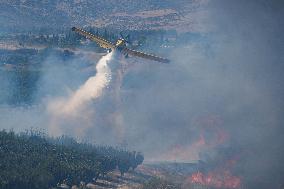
{"type": "Point", "coordinates": [33, 160]}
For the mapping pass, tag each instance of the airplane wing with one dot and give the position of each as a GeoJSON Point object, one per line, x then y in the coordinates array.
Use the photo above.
{"type": "Point", "coordinates": [100, 41]}
{"type": "Point", "coordinates": [144, 55]}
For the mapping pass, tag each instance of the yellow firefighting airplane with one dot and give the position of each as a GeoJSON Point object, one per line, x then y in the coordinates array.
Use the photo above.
{"type": "Point", "coordinates": [120, 46]}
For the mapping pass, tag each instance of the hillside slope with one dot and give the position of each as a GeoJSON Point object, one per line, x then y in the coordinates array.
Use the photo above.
{"type": "Point", "coordinates": [129, 14]}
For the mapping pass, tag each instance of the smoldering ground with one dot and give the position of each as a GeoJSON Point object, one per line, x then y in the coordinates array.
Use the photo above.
{"type": "Point", "coordinates": [223, 88]}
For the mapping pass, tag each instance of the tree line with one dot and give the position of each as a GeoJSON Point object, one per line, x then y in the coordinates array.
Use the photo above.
{"type": "Point", "coordinates": [68, 38]}
{"type": "Point", "coordinates": [34, 160]}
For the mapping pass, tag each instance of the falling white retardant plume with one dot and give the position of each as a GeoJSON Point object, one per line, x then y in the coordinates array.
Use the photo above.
{"type": "Point", "coordinates": [74, 106]}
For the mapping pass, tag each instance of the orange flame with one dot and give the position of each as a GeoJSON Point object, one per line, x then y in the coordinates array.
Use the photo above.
{"type": "Point", "coordinates": [218, 180]}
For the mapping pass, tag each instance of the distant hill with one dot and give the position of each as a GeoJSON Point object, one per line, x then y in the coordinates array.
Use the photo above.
{"type": "Point", "coordinates": [126, 14]}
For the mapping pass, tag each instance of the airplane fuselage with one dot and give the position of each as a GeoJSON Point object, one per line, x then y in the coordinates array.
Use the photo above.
{"type": "Point", "coordinates": [120, 45]}
{"type": "Point", "coordinates": [120, 42]}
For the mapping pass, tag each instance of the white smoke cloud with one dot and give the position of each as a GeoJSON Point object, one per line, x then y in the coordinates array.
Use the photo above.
{"type": "Point", "coordinates": [75, 108]}
{"type": "Point", "coordinates": [65, 101]}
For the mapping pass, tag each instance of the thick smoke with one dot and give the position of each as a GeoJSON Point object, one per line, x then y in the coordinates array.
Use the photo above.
{"type": "Point", "coordinates": [232, 74]}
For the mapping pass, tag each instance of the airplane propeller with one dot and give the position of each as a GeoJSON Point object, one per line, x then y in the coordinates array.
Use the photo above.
{"type": "Point", "coordinates": [126, 38]}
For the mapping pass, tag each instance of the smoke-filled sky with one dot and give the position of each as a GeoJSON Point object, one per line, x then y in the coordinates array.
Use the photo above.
{"type": "Point", "coordinates": [224, 88]}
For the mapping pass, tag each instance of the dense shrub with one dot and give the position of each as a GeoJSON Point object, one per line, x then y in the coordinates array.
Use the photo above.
{"type": "Point", "coordinates": [33, 160]}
